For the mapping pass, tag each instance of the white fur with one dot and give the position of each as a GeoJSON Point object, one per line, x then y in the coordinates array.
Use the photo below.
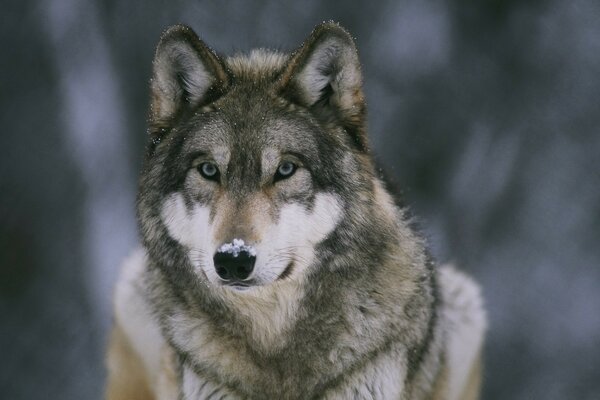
{"type": "Point", "coordinates": [466, 324]}
{"type": "Point", "coordinates": [134, 317]}
{"type": "Point", "coordinates": [191, 228]}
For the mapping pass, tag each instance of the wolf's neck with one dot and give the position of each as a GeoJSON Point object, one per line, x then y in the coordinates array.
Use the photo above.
{"type": "Point", "coordinates": [267, 313]}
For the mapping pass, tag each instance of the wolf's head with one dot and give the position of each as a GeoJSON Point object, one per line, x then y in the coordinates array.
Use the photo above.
{"type": "Point", "coordinates": [255, 162]}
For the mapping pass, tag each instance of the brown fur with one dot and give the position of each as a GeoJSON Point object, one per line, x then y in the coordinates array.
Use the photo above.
{"type": "Point", "coordinates": [473, 387]}
{"type": "Point", "coordinates": [127, 378]}
{"type": "Point", "coordinates": [440, 387]}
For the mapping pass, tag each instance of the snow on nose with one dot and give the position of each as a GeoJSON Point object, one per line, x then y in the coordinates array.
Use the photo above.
{"type": "Point", "coordinates": [235, 247]}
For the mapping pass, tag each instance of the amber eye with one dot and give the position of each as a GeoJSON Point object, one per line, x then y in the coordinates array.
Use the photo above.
{"type": "Point", "coordinates": [285, 170]}
{"type": "Point", "coordinates": [209, 171]}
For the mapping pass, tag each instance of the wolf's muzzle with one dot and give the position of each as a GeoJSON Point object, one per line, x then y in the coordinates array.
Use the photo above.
{"type": "Point", "coordinates": [234, 266]}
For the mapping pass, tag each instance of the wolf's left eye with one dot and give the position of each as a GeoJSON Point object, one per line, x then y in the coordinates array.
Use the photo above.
{"type": "Point", "coordinates": [285, 170]}
{"type": "Point", "coordinates": [209, 171]}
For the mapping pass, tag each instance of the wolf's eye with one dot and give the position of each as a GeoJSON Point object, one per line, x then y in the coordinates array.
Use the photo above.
{"type": "Point", "coordinates": [209, 171]}
{"type": "Point", "coordinates": [285, 170]}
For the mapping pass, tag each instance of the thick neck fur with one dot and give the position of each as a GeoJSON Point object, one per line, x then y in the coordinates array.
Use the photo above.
{"type": "Point", "coordinates": [301, 336]}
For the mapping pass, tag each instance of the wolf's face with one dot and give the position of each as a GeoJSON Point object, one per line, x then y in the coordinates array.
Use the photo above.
{"type": "Point", "coordinates": [248, 210]}
{"type": "Point", "coordinates": [252, 158]}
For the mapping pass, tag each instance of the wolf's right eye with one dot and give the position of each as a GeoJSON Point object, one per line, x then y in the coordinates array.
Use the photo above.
{"type": "Point", "coordinates": [285, 170]}
{"type": "Point", "coordinates": [209, 171]}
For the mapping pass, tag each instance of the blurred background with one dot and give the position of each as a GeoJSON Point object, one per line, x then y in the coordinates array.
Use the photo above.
{"type": "Point", "coordinates": [486, 114]}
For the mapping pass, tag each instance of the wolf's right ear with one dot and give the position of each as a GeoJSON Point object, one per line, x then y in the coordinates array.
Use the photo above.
{"type": "Point", "coordinates": [324, 75]}
{"type": "Point", "coordinates": [186, 73]}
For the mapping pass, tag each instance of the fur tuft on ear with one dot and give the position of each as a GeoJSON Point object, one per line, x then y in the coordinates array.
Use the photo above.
{"type": "Point", "coordinates": [186, 74]}
{"type": "Point", "coordinates": [324, 75]}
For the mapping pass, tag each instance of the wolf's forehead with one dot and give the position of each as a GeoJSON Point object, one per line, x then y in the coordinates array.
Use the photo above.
{"type": "Point", "coordinates": [253, 136]}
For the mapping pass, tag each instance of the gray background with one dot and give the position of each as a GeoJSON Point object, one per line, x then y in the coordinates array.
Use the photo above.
{"type": "Point", "coordinates": [485, 113]}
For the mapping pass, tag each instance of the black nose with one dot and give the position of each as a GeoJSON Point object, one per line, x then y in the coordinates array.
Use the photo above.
{"type": "Point", "coordinates": [234, 266]}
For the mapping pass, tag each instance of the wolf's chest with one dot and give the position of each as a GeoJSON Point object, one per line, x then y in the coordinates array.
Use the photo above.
{"type": "Point", "coordinates": [227, 364]}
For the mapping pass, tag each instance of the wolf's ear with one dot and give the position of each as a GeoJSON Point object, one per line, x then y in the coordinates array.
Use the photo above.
{"type": "Point", "coordinates": [186, 73]}
{"type": "Point", "coordinates": [324, 75]}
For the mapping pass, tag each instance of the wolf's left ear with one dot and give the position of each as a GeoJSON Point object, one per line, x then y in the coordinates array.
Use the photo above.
{"type": "Point", "coordinates": [186, 73]}
{"type": "Point", "coordinates": [324, 75]}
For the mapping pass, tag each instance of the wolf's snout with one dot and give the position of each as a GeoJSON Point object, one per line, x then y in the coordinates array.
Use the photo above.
{"type": "Point", "coordinates": [234, 267]}
{"type": "Point", "coordinates": [235, 260]}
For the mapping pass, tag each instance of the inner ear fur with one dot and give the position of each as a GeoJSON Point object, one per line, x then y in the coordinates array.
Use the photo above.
{"type": "Point", "coordinates": [324, 75]}
{"type": "Point", "coordinates": [186, 74]}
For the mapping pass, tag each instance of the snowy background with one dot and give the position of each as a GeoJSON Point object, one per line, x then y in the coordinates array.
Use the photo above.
{"type": "Point", "coordinates": [487, 115]}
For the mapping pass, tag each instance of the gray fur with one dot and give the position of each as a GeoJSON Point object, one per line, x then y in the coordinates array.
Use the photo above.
{"type": "Point", "coordinates": [368, 320]}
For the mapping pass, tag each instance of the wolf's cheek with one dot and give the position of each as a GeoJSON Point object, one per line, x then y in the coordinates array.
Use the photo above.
{"type": "Point", "coordinates": [295, 235]}
{"type": "Point", "coordinates": [304, 227]}
{"type": "Point", "coordinates": [189, 227]}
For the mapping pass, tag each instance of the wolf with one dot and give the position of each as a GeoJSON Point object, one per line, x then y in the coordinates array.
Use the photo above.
{"type": "Point", "coordinates": [275, 263]}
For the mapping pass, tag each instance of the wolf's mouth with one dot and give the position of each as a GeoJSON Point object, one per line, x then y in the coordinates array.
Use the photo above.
{"type": "Point", "coordinates": [287, 271]}
{"type": "Point", "coordinates": [239, 287]}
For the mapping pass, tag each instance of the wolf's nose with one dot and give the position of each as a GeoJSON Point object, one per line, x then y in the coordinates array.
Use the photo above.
{"type": "Point", "coordinates": [234, 266]}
